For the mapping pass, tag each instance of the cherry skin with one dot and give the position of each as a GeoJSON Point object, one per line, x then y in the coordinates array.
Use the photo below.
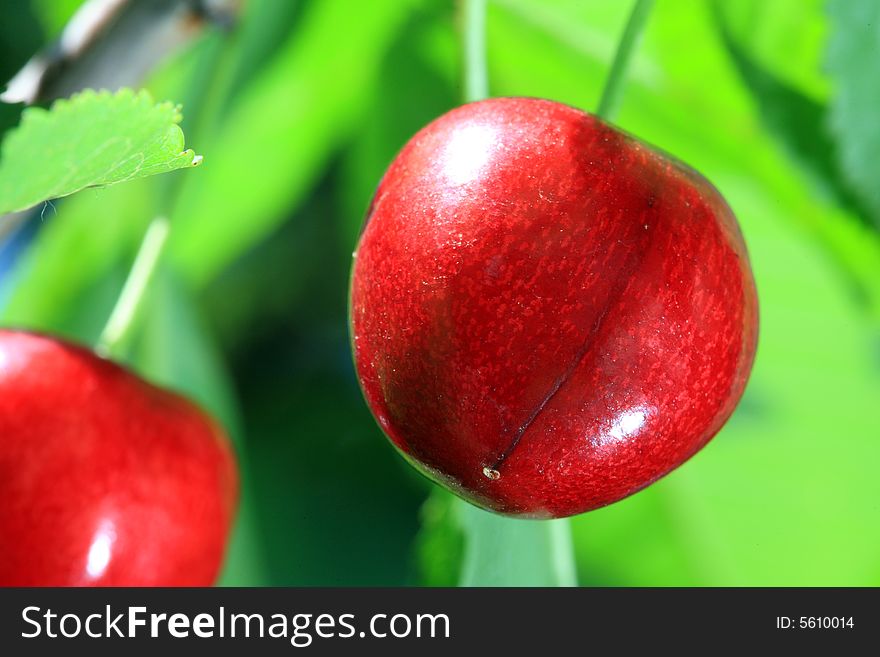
{"type": "Point", "coordinates": [105, 479]}
{"type": "Point", "coordinates": [547, 315]}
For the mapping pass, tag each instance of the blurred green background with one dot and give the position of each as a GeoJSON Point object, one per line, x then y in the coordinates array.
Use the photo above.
{"type": "Point", "coordinates": [298, 108]}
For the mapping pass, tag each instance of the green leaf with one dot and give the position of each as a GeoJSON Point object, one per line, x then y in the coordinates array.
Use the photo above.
{"type": "Point", "coordinates": [174, 350]}
{"type": "Point", "coordinates": [855, 68]}
{"type": "Point", "coordinates": [69, 254]}
{"type": "Point", "coordinates": [785, 38]}
{"type": "Point", "coordinates": [440, 542]}
{"type": "Point", "coordinates": [54, 14]}
{"type": "Point", "coordinates": [293, 115]}
{"type": "Point", "coordinates": [337, 505]}
{"type": "Point", "coordinates": [423, 64]}
{"type": "Point", "coordinates": [93, 139]}
{"type": "Point", "coordinates": [797, 120]}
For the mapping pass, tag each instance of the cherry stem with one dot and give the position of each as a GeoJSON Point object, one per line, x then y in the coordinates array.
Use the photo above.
{"type": "Point", "coordinates": [476, 76]}
{"type": "Point", "coordinates": [562, 550]}
{"type": "Point", "coordinates": [123, 317]}
{"type": "Point", "coordinates": [613, 91]}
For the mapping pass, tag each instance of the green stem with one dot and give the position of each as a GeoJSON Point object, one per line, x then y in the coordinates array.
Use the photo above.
{"type": "Point", "coordinates": [613, 91]}
{"type": "Point", "coordinates": [124, 313]}
{"type": "Point", "coordinates": [562, 547]}
{"type": "Point", "coordinates": [476, 76]}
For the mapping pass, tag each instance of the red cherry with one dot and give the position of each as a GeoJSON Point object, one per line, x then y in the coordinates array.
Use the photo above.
{"type": "Point", "coordinates": [547, 314]}
{"type": "Point", "coordinates": [104, 478]}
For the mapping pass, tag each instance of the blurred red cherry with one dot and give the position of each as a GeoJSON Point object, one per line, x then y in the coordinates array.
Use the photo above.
{"type": "Point", "coordinates": [105, 479]}
{"type": "Point", "coordinates": [548, 315]}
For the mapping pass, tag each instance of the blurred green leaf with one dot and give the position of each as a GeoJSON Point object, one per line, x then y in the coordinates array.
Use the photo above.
{"type": "Point", "coordinates": [800, 122]}
{"type": "Point", "coordinates": [173, 350]}
{"type": "Point", "coordinates": [854, 65]}
{"type": "Point", "coordinates": [276, 140]}
{"type": "Point", "coordinates": [54, 14]}
{"type": "Point", "coordinates": [784, 38]}
{"type": "Point", "coordinates": [93, 139]}
{"type": "Point", "coordinates": [92, 233]}
{"type": "Point", "coordinates": [440, 543]}
{"type": "Point", "coordinates": [639, 541]}
{"type": "Point", "coordinates": [20, 36]}
{"type": "Point", "coordinates": [417, 83]}
{"type": "Point", "coordinates": [338, 507]}
{"type": "Point", "coordinates": [265, 27]}
{"type": "Point", "coordinates": [246, 301]}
